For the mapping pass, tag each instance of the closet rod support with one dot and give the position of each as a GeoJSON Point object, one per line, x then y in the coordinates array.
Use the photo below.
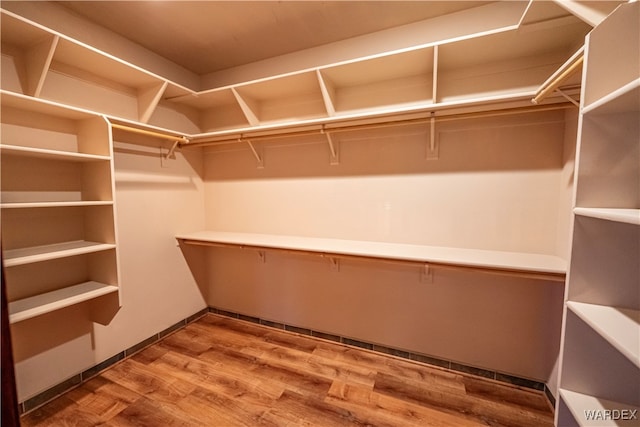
{"type": "Point", "coordinates": [333, 148]}
{"type": "Point", "coordinates": [549, 87]}
{"type": "Point", "coordinates": [433, 150]}
{"type": "Point", "coordinates": [257, 155]}
{"type": "Point", "coordinates": [567, 97]}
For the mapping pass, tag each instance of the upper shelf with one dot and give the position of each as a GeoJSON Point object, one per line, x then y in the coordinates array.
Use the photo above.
{"type": "Point", "coordinates": [628, 216]}
{"type": "Point", "coordinates": [488, 67]}
{"type": "Point", "coordinates": [550, 267]}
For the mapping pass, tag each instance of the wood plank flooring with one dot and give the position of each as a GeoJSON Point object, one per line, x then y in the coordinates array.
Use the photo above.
{"type": "Point", "coordinates": [219, 371]}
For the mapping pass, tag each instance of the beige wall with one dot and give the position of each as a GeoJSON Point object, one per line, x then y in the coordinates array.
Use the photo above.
{"type": "Point", "coordinates": [158, 289]}
{"type": "Point", "coordinates": [498, 184]}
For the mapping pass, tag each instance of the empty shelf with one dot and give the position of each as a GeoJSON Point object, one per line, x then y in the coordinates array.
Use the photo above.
{"type": "Point", "coordinates": [45, 303]}
{"type": "Point", "coordinates": [590, 411]}
{"type": "Point", "coordinates": [474, 258]}
{"type": "Point", "coordinates": [629, 216]}
{"type": "Point", "coordinates": [619, 326]}
{"type": "Point", "coordinates": [54, 204]}
{"type": "Point", "coordinates": [51, 154]}
{"type": "Point", "coordinates": [33, 254]}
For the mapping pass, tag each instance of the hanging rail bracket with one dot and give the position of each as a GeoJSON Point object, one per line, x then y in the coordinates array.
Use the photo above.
{"type": "Point", "coordinates": [334, 148]}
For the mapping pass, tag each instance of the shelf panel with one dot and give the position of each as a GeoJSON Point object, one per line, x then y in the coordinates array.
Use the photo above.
{"type": "Point", "coordinates": [628, 216]}
{"type": "Point", "coordinates": [45, 303]}
{"type": "Point", "coordinates": [619, 326]}
{"type": "Point", "coordinates": [484, 259]}
{"type": "Point", "coordinates": [44, 153]}
{"type": "Point", "coordinates": [30, 255]}
{"type": "Point", "coordinates": [578, 403]}
{"type": "Point", "coordinates": [54, 204]}
{"type": "Point", "coordinates": [625, 99]}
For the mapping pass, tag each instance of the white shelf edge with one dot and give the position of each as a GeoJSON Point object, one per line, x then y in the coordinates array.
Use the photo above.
{"type": "Point", "coordinates": [470, 258]}
{"type": "Point", "coordinates": [612, 96]}
{"type": "Point", "coordinates": [28, 308]}
{"type": "Point", "coordinates": [578, 403]}
{"type": "Point", "coordinates": [51, 154]}
{"type": "Point", "coordinates": [34, 254]}
{"type": "Point", "coordinates": [24, 205]}
{"type": "Point", "coordinates": [620, 327]}
{"type": "Point", "coordinates": [628, 216]}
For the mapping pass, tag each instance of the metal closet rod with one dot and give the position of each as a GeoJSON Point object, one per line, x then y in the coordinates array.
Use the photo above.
{"type": "Point", "coordinates": [388, 123]}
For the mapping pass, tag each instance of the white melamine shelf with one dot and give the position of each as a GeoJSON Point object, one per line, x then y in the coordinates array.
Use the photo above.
{"type": "Point", "coordinates": [498, 260]}
{"type": "Point", "coordinates": [26, 205]}
{"type": "Point", "coordinates": [629, 216]}
{"type": "Point", "coordinates": [578, 403]}
{"type": "Point", "coordinates": [33, 254]}
{"type": "Point", "coordinates": [50, 301]}
{"type": "Point", "coordinates": [51, 154]}
{"type": "Point", "coordinates": [625, 99]}
{"type": "Point", "coordinates": [619, 326]}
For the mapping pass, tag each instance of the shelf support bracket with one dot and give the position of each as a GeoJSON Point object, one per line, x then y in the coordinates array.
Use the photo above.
{"type": "Point", "coordinates": [263, 256]}
{"type": "Point", "coordinates": [333, 148]}
{"type": "Point", "coordinates": [433, 150]}
{"type": "Point", "coordinates": [426, 274]}
{"type": "Point", "coordinates": [258, 156]}
{"type": "Point", "coordinates": [172, 150]}
{"type": "Point", "coordinates": [567, 97]}
{"type": "Point", "coordinates": [334, 263]}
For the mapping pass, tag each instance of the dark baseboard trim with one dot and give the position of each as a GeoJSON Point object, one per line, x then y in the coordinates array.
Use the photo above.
{"type": "Point", "coordinates": [42, 398]}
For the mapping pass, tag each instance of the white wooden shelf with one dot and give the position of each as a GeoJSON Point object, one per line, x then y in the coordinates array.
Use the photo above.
{"type": "Point", "coordinates": [401, 80]}
{"type": "Point", "coordinates": [51, 154]}
{"type": "Point", "coordinates": [578, 403]}
{"type": "Point", "coordinates": [552, 266]}
{"type": "Point", "coordinates": [27, 205]}
{"type": "Point", "coordinates": [619, 326]}
{"type": "Point", "coordinates": [14, 257]}
{"type": "Point", "coordinates": [50, 301]}
{"type": "Point", "coordinates": [628, 216]}
{"type": "Point", "coordinates": [625, 99]}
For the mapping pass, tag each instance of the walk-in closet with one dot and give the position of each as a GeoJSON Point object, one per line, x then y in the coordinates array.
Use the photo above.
{"type": "Point", "coordinates": [423, 207]}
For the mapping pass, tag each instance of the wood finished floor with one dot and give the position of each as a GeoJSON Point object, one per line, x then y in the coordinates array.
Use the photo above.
{"type": "Point", "coordinates": [219, 371]}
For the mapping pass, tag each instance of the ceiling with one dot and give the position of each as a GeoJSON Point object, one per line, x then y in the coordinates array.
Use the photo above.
{"type": "Point", "coordinates": [209, 36]}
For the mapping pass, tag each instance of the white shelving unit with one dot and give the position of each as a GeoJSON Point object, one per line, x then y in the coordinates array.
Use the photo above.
{"type": "Point", "coordinates": [447, 73]}
{"type": "Point", "coordinates": [600, 360]}
{"type": "Point", "coordinates": [57, 200]}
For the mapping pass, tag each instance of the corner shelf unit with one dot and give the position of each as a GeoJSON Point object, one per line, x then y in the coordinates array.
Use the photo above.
{"type": "Point", "coordinates": [57, 201]}
{"type": "Point", "coordinates": [600, 359]}
{"type": "Point", "coordinates": [452, 73]}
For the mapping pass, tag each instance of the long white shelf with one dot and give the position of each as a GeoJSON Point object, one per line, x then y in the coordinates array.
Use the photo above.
{"type": "Point", "coordinates": [26, 205]}
{"type": "Point", "coordinates": [51, 154]}
{"type": "Point", "coordinates": [474, 258]}
{"type": "Point", "coordinates": [581, 404]}
{"type": "Point", "coordinates": [14, 257]}
{"type": "Point", "coordinates": [50, 301]}
{"type": "Point", "coordinates": [629, 216]}
{"type": "Point", "coordinates": [619, 326]}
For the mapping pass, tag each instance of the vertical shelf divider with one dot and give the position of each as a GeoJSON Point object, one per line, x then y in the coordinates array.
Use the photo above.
{"type": "Point", "coordinates": [37, 62]}
{"type": "Point", "coordinates": [249, 107]}
{"type": "Point", "coordinates": [328, 93]}
{"type": "Point", "coordinates": [148, 99]}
